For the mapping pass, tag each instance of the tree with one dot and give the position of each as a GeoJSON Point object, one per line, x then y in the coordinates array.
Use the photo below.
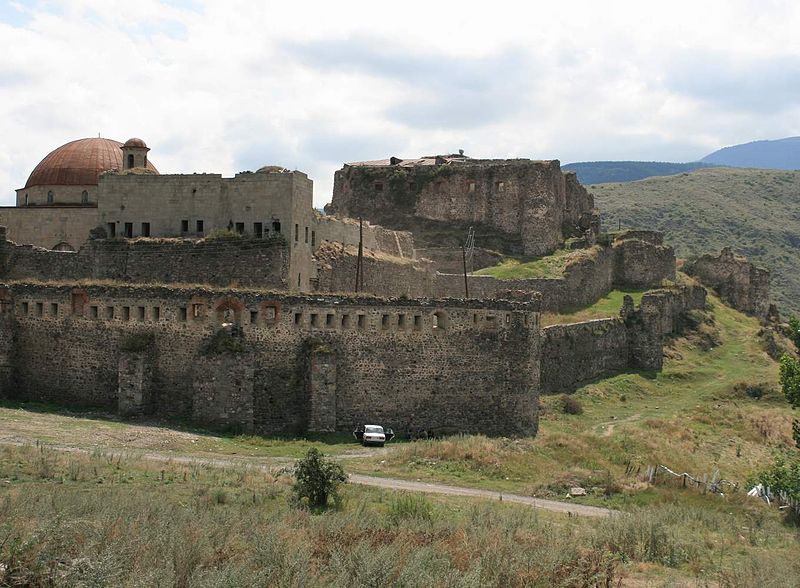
{"type": "Point", "coordinates": [317, 478]}
{"type": "Point", "coordinates": [794, 326]}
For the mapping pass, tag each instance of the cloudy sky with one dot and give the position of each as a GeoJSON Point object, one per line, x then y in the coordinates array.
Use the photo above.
{"type": "Point", "coordinates": [227, 86]}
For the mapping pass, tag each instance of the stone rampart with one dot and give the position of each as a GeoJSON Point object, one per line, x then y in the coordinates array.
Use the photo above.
{"type": "Point", "coordinates": [222, 262]}
{"type": "Point", "coordinates": [577, 353]}
{"type": "Point", "coordinates": [737, 281]}
{"type": "Point", "coordinates": [435, 364]}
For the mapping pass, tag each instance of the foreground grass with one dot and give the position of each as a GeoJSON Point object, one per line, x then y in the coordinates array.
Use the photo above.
{"type": "Point", "coordinates": [95, 520]}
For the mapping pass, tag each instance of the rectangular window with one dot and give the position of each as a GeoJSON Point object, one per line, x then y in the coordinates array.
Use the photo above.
{"type": "Point", "coordinates": [471, 186]}
{"type": "Point", "coordinates": [156, 313]}
{"type": "Point", "coordinates": [54, 308]}
{"type": "Point", "coordinates": [499, 186]}
{"type": "Point", "coordinates": [24, 308]}
{"type": "Point", "coordinates": [298, 318]}
{"type": "Point", "coordinates": [126, 313]}
{"type": "Point", "coordinates": [270, 313]}
{"type": "Point", "coordinates": [39, 308]}
{"type": "Point", "coordinates": [379, 186]}
{"type": "Point", "coordinates": [197, 310]}
{"type": "Point", "coordinates": [508, 319]}
{"type": "Point", "coordinates": [329, 320]}
{"type": "Point", "coordinates": [240, 228]}
{"type": "Point", "coordinates": [184, 226]}
{"type": "Point", "coordinates": [258, 229]}
{"type": "Point", "coordinates": [314, 320]}
{"type": "Point", "coordinates": [401, 321]}
{"type": "Point", "coordinates": [384, 322]}
{"type": "Point", "coordinates": [200, 227]}
{"type": "Point", "coordinates": [145, 229]}
{"type": "Point", "coordinates": [182, 314]}
{"type": "Point", "coordinates": [296, 233]}
{"type": "Point", "coordinates": [128, 230]}
{"type": "Point", "coordinates": [362, 321]}
{"type": "Point", "coordinates": [475, 319]}
{"type": "Point", "coordinates": [346, 322]}
{"type": "Point", "coordinates": [306, 234]}
{"type": "Point", "coordinates": [491, 322]}
{"type": "Point", "coordinates": [313, 238]}
{"type": "Point", "coordinates": [253, 317]}
{"type": "Point", "coordinates": [276, 226]}
{"type": "Point", "coordinates": [417, 322]}
{"type": "Point", "coordinates": [140, 313]}
{"type": "Point", "coordinates": [109, 312]}
{"type": "Point", "coordinates": [112, 230]}
{"type": "Point", "coordinates": [93, 312]}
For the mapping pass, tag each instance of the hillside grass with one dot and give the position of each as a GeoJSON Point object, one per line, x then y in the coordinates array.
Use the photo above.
{"type": "Point", "coordinates": [516, 268]}
{"type": "Point", "coordinates": [755, 211]}
{"type": "Point", "coordinates": [97, 520]}
{"type": "Point", "coordinates": [606, 307]}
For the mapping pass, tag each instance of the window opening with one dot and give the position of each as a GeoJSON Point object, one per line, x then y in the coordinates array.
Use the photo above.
{"type": "Point", "coordinates": [145, 229]}
{"type": "Point", "coordinates": [84, 197]}
{"type": "Point", "coordinates": [296, 233]}
{"type": "Point", "coordinates": [128, 230]}
{"type": "Point", "coordinates": [182, 314]}
{"type": "Point", "coordinates": [130, 160]}
{"type": "Point", "coordinates": [156, 313]}
{"type": "Point", "coordinates": [126, 313]}
{"type": "Point", "coordinates": [200, 228]}
{"type": "Point", "coordinates": [385, 322]}
{"type": "Point", "coordinates": [313, 238]}
{"type": "Point", "coordinates": [24, 308]}
{"type": "Point", "coordinates": [185, 226]}
{"type": "Point", "coordinates": [306, 234]}
{"type": "Point", "coordinates": [417, 322]}
{"type": "Point", "coordinates": [112, 230]}
{"type": "Point", "coordinates": [109, 312]}
{"type": "Point", "coordinates": [140, 313]}
{"type": "Point", "coordinates": [39, 308]}
{"type": "Point", "coordinates": [346, 322]}
{"type": "Point", "coordinates": [93, 312]}
{"type": "Point", "coordinates": [253, 317]}
{"type": "Point", "coordinates": [240, 228]}
{"type": "Point", "coordinates": [329, 320]}
{"type": "Point", "coordinates": [362, 321]}
{"type": "Point", "coordinates": [276, 226]}
{"type": "Point", "coordinates": [50, 197]}
{"type": "Point", "coordinates": [298, 317]}
{"type": "Point", "coordinates": [258, 229]}
{"type": "Point", "coordinates": [54, 308]}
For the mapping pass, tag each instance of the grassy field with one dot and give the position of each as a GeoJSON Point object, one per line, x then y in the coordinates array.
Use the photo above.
{"type": "Point", "coordinates": [755, 211]}
{"type": "Point", "coordinates": [608, 306]}
{"type": "Point", "coordinates": [95, 520]}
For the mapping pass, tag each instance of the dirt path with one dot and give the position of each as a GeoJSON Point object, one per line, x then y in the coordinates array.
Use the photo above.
{"type": "Point", "coordinates": [609, 426]}
{"type": "Point", "coordinates": [275, 464]}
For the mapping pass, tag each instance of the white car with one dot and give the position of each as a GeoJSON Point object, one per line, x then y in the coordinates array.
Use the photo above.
{"type": "Point", "coordinates": [373, 435]}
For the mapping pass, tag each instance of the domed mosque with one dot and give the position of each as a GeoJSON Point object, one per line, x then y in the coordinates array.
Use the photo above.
{"type": "Point", "coordinates": [100, 188]}
{"type": "Point", "coordinates": [70, 174]}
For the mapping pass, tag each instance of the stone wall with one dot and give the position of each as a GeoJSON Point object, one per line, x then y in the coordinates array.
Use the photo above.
{"type": "Point", "coordinates": [222, 262]}
{"type": "Point", "coordinates": [737, 281]}
{"type": "Point", "coordinates": [577, 353]}
{"type": "Point", "coordinates": [436, 364]}
{"type": "Point", "coordinates": [384, 275]}
{"type": "Point", "coordinates": [49, 226]}
{"type": "Point", "coordinates": [526, 199]}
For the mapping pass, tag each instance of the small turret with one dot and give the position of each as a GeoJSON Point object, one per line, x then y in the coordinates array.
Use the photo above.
{"type": "Point", "coordinates": [134, 154]}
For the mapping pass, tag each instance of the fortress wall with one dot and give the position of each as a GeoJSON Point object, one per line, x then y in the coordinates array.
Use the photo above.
{"type": "Point", "coordinates": [376, 238]}
{"type": "Point", "coordinates": [450, 260]}
{"type": "Point", "coordinates": [580, 352]}
{"type": "Point", "coordinates": [577, 353]}
{"type": "Point", "coordinates": [737, 281]}
{"type": "Point", "coordinates": [467, 366]}
{"type": "Point", "coordinates": [383, 275]}
{"type": "Point", "coordinates": [641, 263]}
{"type": "Point", "coordinates": [221, 262]}
{"type": "Point", "coordinates": [518, 197]}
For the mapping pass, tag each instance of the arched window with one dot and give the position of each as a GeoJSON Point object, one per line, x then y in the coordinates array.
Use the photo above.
{"type": "Point", "coordinates": [26, 200]}
{"type": "Point", "coordinates": [50, 197]}
{"type": "Point", "coordinates": [130, 160]}
{"type": "Point", "coordinates": [84, 197]}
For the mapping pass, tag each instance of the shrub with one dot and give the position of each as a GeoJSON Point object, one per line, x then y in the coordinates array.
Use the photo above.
{"type": "Point", "coordinates": [224, 342]}
{"type": "Point", "coordinates": [571, 405]}
{"type": "Point", "coordinates": [754, 391]}
{"type": "Point", "coordinates": [317, 478]}
{"type": "Point", "coordinates": [410, 507]}
{"type": "Point", "coordinates": [794, 327]}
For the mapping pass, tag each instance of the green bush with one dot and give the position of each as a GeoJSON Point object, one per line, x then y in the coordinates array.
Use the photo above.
{"type": "Point", "coordinates": [571, 405]}
{"type": "Point", "coordinates": [317, 479]}
{"type": "Point", "coordinates": [410, 507]}
{"type": "Point", "coordinates": [794, 326]}
{"type": "Point", "coordinates": [754, 391]}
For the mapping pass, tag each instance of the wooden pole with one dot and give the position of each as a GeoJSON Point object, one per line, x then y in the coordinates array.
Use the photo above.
{"type": "Point", "coordinates": [466, 282]}
{"type": "Point", "coordinates": [360, 265]}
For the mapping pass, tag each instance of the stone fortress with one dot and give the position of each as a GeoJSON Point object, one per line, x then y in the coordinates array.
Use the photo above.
{"type": "Point", "coordinates": [230, 301]}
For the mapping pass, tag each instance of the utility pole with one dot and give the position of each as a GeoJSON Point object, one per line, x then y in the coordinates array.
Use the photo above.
{"type": "Point", "coordinates": [467, 251]}
{"type": "Point", "coordinates": [359, 263]}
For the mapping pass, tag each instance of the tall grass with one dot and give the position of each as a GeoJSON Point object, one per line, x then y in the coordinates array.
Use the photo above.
{"type": "Point", "coordinates": [134, 524]}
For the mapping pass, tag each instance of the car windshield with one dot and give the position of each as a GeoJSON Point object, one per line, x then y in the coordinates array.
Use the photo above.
{"type": "Point", "coordinates": [373, 429]}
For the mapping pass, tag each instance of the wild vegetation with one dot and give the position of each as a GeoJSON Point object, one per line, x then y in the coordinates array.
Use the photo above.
{"type": "Point", "coordinates": [753, 210]}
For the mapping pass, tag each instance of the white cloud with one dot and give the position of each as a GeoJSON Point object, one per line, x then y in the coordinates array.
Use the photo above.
{"type": "Point", "coordinates": [226, 86]}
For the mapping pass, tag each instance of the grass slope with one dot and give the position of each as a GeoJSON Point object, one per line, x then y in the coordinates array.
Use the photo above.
{"type": "Point", "coordinates": [755, 211]}
{"type": "Point", "coordinates": [596, 172]}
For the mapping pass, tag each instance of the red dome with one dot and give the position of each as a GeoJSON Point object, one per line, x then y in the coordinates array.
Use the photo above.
{"type": "Point", "coordinates": [79, 163]}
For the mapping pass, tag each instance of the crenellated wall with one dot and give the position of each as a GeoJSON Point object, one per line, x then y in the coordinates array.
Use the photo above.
{"type": "Point", "coordinates": [436, 364]}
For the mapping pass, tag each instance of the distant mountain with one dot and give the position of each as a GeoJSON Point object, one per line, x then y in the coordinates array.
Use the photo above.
{"type": "Point", "coordinates": [777, 154]}
{"type": "Point", "coordinates": [755, 211]}
{"type": "Point", "coordinates": [600, 172]}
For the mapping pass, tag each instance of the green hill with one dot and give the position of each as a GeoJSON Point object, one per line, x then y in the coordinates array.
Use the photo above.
{"type": "Point", "coordinates": [596, 172]}
{"type": "Point", "coordinates": [755, 211]}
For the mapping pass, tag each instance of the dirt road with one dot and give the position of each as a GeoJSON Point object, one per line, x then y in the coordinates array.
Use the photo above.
{"type": "Point", "coordinates": [273, 464]}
